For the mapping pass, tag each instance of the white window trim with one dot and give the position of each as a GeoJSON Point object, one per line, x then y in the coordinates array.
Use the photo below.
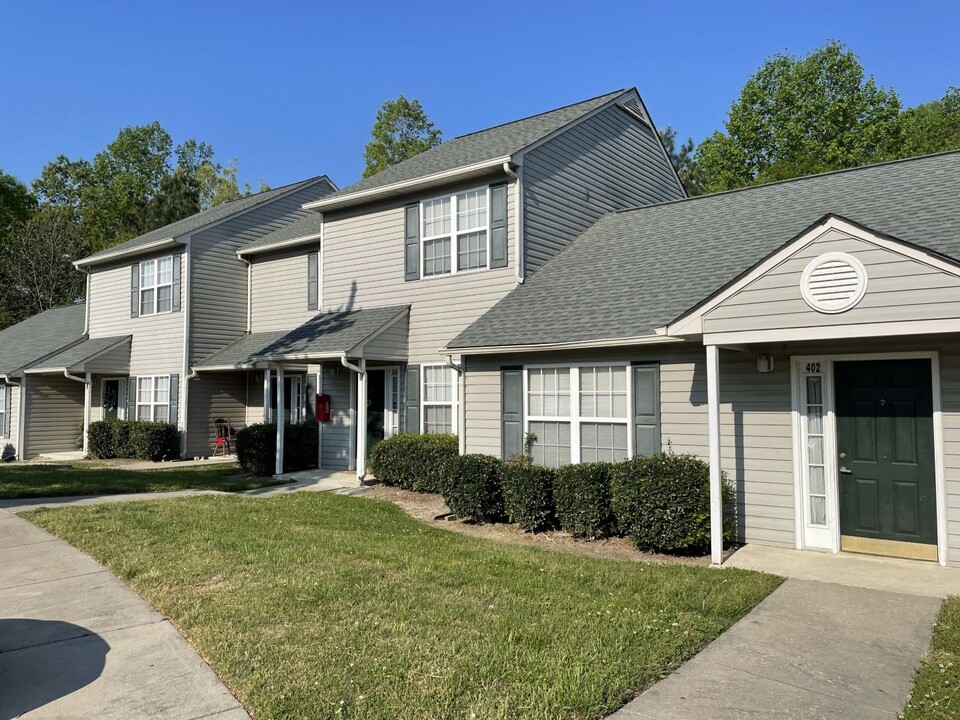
{"type": "Point", "coordinates": [156, 285]}
{"type": "Point", "coordinates": [454, 234]}
{"type": "Point", "coordinates": [153, 404]}
{"type": "Point", "coordinates": [453, 404]}
{"type": "Point", "coordinates": [575, 418]}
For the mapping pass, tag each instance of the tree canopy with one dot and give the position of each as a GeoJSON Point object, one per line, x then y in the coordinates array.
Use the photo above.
{"type": "Point", "coordinates": [400, 131]}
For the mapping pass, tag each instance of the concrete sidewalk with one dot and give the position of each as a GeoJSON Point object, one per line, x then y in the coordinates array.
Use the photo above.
{"type": "Point", "coordinates": [75, 642]}
{"type": "Point", "coordinates": [810, 651]}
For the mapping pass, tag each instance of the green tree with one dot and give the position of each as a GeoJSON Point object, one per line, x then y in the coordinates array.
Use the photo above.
{"type": "Point", "coordinates": [17, 203]}
{"type": "Point", "coordinates": [400, 131]}
{"type": "Point", "coordinates": [931, 127]}
{"type": "Point", "coordinates": [798, 116]}
{"type": "Point", "coordinates": [36, 268]}
{"type": "Point", "coordinates": [684, 161]}
{"type": "Point", "coordinates": [177, 197]}
{"type": "Point", "coordinates": [219, 184]}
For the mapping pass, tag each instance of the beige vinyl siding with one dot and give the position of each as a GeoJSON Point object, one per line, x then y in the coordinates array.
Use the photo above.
{"type": "Point", "coordinates": [363, 267]}
{"type": "Point", "coordinates": [215, 395]}
{"type": "Point", "coordinates": [335, 434]}
{"type": "Point", "coordinates": [8, 445]}
{"type": "Point", "coordinates": [54, 412]}
{"type": "Point", "coordinates": [219, 283]}
{"type": "Point", "coordinates": [157, 344]}
{"type": "Point", "coordinates": [755, 423]}
{"type": "Point", "coordinates": [390, 344]}
{"type": "Point", "coordinates": [608, 162]}
{"type": "Point", "coordinates": [899, 289]}
{"type": "Point", "coordinates": [254, 409]}
{"type": "Point", "coordinates": [280, 289]}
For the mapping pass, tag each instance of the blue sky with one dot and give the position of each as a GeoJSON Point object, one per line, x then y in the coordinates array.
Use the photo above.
{"type": "Point", "coordinates": [291, 88]}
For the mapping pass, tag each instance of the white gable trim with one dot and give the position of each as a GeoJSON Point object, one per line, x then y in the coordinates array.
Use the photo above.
{"type": "Point", "coordinates": [691, 323]}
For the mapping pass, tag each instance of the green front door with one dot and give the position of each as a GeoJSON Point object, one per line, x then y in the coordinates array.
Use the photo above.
{"type": "Point", "coordinates": [885, 451]}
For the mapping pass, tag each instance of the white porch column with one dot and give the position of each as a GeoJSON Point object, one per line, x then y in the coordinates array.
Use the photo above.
{"type": "Point", "coordinates": [280, 411]}
{"type": "Point", "coordinates": [362, 383]}
{"type": "Point", "coordinates": [266, 395]}
{"type": "Point", "coordinates": [713, 425]}
{"type": "Point", "coordinates": [87, 401]}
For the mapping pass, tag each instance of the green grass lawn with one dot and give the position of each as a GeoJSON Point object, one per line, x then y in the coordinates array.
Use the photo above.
{"type": "Point", "coordinates": [80, 478]}
{"type": "Point", "coordinates": [319, 605]}
{"type": "Point", "coordinates": [936, 689]}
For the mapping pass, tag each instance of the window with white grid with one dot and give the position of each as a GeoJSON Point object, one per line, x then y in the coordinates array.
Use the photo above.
{"type": "Point", "coordinates": [156, 286]}
{"type": "Point", "coordinates": [153, 398]}
{"type": "Point", "coordinates": [3, 407]}
{"type": "Point", "coordinates": [439, 399]}
{"type": "Point", "coordinates": [455, 232]}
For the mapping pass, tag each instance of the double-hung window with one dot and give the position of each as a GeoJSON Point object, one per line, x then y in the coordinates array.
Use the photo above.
{"type": "Point", "coordinates": [578, 413]}
{"type": "Point", "coordinates": [153, 398]}
{"type": "Point", "coordinates": [439, 399]}
{"type": "Point", "coordinates": [455, 232]}
{"type": "Point", "coordinates": [4, 389]}
{"type": "Point", "coordinates": [156, 286]}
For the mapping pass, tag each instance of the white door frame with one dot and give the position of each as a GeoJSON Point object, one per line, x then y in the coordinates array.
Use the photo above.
{"type": "Point", "coordinates": [801, 366]}
{"type": "Point", "coordinates": [391, 383]}
{"type": "Point", "coordinates": [122, 399]}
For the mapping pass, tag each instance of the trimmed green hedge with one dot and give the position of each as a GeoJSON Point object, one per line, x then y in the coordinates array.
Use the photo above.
{"type": "Point", "coordinates": [472, 490]}
{"type": "Point", "coordinates": [140, 439]}
{"type": "Point", "coordinates": [257, 448]}
{"type": "Point", "coordinates": [528, 495]}
{"type": "Point", "coordinates": [414, 462]}
{"type": "Point", "coordinates": [582, 497]}
{"type": "Point", "coordinates": [662, 502]}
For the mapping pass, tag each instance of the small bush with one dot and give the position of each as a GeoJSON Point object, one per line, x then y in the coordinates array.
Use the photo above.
{"type": "Point", "coordinates": [100, 439]}
{"type": "Point", "coordinates": [528, 495]}
{"type": "Point", "coordinates": [414, 462]}
{"type": "Point", "coordinates": [582, 497]}
{"type": "Point", "coordinates": [472, 489]}
{"type": "Point", "coordinates": [257, 448]}
{"type": "Point", "coordinates": [153, 441]}
{"type": "Point", "coordinates": [662, 502]}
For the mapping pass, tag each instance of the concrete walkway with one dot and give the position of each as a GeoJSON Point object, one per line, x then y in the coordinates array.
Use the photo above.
{"type": "Point", "coordinates": [809, 651]}
{"type": "Point", "coordinates": [75, 642]}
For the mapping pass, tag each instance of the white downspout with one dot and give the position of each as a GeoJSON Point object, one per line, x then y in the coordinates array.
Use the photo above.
{"type": "Point", "coordinates": [249, 293]}
{"type": "Point", "coordinates": [186, 374]}
{"type": "Point", "coordinates": [21, 420]}
{"type": "Point", "coordinates": [361, 415]}
{"type": "Point", "coordinates": [86, 302]}
{"type": "Point", "coordinates": [279, 465]}
{"type": "Point", "coordinates": [716, 477]}
{"type": "Point", "coordinates": [461, 402]}
{"type": "Point", "coordinates": [517, 175]}
{"type": "Point", "coordinates": [87, 381]}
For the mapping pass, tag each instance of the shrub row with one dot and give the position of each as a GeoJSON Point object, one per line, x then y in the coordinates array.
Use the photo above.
{"type": "Point", "coordinates": [414, 462]}
{"type": "Point", "coordinates": [140, 439]}
{"type": "Point", "coordinates": [257, 448]}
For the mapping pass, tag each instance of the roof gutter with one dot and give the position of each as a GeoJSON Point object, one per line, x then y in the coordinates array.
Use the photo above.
{"type": "Point", "coordinates": [574, 345]}
{"type": "Point", "coordinates": [138, 250]}
{"type": "Point", "coordinates": [361, 196]}
{"type": "Point", "coordinates": [278, 245]}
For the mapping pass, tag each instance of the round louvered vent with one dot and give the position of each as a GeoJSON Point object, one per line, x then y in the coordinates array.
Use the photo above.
{"type": "Point", "coordinates": [833, 283]}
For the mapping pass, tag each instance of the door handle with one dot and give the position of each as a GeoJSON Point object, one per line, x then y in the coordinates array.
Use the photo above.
{"type": "Point", "coordinates": [844, 471]}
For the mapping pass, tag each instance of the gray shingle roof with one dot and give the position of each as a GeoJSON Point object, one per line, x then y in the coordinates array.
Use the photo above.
{"type": "Point", "coordinates": [79, 353]}
{"type": "Point", "coordinates": [637, 270]}
{"type": "Point", "coordinates": [478, 147]}
{"type": "Point", "coordinates": [326, 334]}
{"type": "Point", "coordinates": [204, 218]}
{"type": "Point", "coordinates": [305, 227]}
{"type": "Point", "coordinates": [39, 336]}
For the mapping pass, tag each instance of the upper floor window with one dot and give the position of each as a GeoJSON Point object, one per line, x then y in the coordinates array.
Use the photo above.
{"type": "Point", "coordinates": [455, 232]}
{"type": "Point", "coordinates": [156, 286]}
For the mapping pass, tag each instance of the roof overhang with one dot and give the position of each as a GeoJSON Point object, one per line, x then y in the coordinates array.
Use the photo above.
{"type": "Point", "coordinates": [81, 366]}
{"type": "Point", "coordinates": [339, 201]}
{"type": "Point", "coordinates": [107, 257]}
{"type": "Point", "coordinates": [573, 345]}
{"type": "Point", "coordinates": [280, 245]}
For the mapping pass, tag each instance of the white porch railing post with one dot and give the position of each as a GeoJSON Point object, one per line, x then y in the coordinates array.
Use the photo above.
{"type": "Point", "coordinates": [713, 428]}
{"type": "Point", "coordinates": [87, 402]}
{"type": "Point", "coordinates": [266, 395]}
{"type": "Point", "coordinates": [362, 382]}
{"type": "Point", "coordinates": [279, 418]}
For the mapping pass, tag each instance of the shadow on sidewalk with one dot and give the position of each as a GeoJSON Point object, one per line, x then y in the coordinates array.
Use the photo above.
{"type": "Point", "coordinates": [43, 660]}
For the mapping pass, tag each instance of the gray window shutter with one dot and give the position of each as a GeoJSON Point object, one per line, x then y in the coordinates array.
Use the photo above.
{"type": "Point", "coordinates": [411, 242]}
{"type": "Point", "coordinates": [511, 412]}
{"type": "Point", "coordinates": [646, 403]}
{"type": "Point", "coordinates": [174, 398]}
{"type": "Point", "coordinates": [7, 406]}
{"type": "Point", "coordinates": [411, 398]}
{"type": "Point", "coordinates": [313, 282]}
{"type": "Point", "coordinates": [131, 398]}
{"type": "Point", "coordinates": [135, 290]}
{"type": "Point", "coordinates": [498, 226]}
{"type": "Point", "coordinates": [310, 397]}
{"type": "Point", "coordinates": [175, 290]}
